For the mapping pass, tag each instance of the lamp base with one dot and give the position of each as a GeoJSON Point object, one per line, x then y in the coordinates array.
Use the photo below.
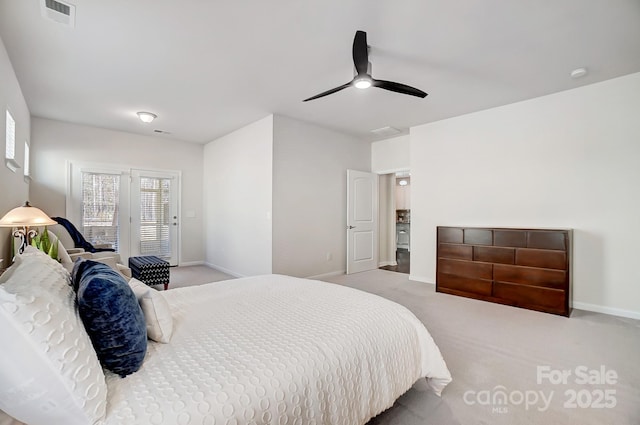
{"type": "Point", "coordinates": [25, 235]}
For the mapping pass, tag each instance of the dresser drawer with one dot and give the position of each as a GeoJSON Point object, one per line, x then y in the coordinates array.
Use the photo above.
{"type": "Point", "coordinates": [541, 258]}
{"type": "Point", "coordinates": [529, 276]}
{"type": "Point", "coordinates": [460, 252]}
{"type": "Point", "coordinates": [492, 254]}
{"type": "Point", "coordinates": [464, 284]}
{"type": "Point", "coordinates": [464, 268]}
{"type": "Point", "coordinates": [529, 296]}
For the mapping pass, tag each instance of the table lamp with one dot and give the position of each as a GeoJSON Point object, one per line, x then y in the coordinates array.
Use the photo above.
{"type": "Point", "coordinates": [23, 218]}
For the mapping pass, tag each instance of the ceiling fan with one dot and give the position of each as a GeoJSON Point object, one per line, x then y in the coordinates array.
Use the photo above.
{"type": "Point", "coordinates": [363, 78]}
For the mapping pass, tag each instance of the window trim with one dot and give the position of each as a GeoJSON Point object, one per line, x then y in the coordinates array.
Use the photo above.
{"type": "Point", "coordinates": [27, 162]}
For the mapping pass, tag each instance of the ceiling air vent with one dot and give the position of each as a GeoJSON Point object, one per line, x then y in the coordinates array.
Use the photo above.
{"type": "Point", "coordinates": [60, 12]}
{"type": "Point", "coordinates": [386, 131]}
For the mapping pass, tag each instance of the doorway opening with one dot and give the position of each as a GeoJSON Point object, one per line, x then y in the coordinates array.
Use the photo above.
{"type": "Point", "coordinates": [395, 222]}
{"type": "Point", "coordinates": [403, 262]}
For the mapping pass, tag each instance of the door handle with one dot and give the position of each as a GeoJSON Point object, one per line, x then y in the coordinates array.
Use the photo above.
{"type": "Point", "coordinates": [351, 227]}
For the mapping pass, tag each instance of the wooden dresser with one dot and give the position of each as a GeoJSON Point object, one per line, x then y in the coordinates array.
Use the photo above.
{"type": "Point", "coordinates": [528, 268]}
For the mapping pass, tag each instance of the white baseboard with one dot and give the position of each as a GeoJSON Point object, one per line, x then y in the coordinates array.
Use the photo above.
{"type": "Point", "coordinates": [607, 310]}
{"type": "Point", "coordinates": [325, 275]}
{"type": "Point", "coordinates": [191, 263]}
{"type": "Point", "coordinates": [420, 279]}
{"type": "Point", "coordinates": [387, 263]}
{"type": "Point", "coordinates": [224, 270]}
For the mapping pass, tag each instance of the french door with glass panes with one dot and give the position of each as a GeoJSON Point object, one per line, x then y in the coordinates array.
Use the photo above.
{"type": "Point", "coordinates": [100, 192]}
{"type": "Point", "coordinates": [134, 211]}
{"type": "Point", "coordinates": [154, 214]}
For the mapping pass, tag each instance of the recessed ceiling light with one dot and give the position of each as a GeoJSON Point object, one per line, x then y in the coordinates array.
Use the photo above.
{"type": "Point", "coordinates": [147, 117]}
{"type": "Point", "coordinates": [578, 73]}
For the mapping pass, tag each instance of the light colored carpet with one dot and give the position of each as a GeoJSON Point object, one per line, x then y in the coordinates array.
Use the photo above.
{"type": "Point", "coordinates": [490, 347]}
{"type": "Point", "coordinates": [493, 349]}
{"type": "Point", "coordinates": [180, 277]}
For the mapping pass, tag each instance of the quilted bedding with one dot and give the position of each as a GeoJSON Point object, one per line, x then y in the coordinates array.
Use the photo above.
{"type": "Point", "coordinates": [277, 350]}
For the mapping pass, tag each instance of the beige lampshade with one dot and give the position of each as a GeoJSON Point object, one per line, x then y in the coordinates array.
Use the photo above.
{"type": "Point", "coordinates": [26, 216]}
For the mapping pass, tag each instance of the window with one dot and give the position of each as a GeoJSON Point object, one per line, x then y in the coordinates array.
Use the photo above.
{"type": "Point", "coordinates": [27, 170]}
{"type": "Point", "coordinates": [100, 199]}
{"type": "Point", "coordinates": [10, 148]}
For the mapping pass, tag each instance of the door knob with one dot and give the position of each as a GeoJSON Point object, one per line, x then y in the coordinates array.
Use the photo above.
{"type": "Point", "coordinates": [351, 227]}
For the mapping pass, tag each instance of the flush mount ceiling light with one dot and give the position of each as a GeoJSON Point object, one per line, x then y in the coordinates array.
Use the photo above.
{"type": "Point", "coordinates": [578, 73]}
{"type": "Point", "coordinates": [362, 82]}
{"type": "Point", "coordinates": [147, 117]}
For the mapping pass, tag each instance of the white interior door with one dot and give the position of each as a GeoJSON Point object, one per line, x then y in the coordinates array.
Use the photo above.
{"type": "Point", "coordinates": [362, 221]}
{"type": "Point", "coordinates": [154, 214]}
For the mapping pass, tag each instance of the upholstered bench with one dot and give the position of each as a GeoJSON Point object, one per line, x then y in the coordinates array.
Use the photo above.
{"type": "Point", "coordinates": [150, 270]}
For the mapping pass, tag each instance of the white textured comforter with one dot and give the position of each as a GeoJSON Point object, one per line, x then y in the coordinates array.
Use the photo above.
{"type": "Point", "coordinates": [277, 350]}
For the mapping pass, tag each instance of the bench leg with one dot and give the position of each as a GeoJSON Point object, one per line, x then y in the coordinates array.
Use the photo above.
{"type": "Point", "coordinates": [166, 286]}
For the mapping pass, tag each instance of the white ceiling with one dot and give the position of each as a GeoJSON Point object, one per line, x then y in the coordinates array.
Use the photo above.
{"type": "Point", "coordinates": [208, 67]}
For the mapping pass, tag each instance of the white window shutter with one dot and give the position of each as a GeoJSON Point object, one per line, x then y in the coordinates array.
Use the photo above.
{"type": "Point", "coordinates": [155, 216]}
{"type": "Point", "coordinates": [100, 198]}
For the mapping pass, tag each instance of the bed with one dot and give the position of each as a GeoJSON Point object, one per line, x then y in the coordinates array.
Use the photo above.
{"type": "Point", "coordinates": [272, 350]}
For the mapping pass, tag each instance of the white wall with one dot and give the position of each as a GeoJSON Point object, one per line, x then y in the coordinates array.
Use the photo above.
{"type": "Point", "coordinates": [55, 142]}
{"type": "Point", "coordinates": [13, 189]}
{"type": "Point", "coordinates": [390, 155]}
{"type": "Point", "coordinates": [237, 199]}
{"type": "Point", "coordinates": [309, 196]}
{"type": "Point", "coordinates": [567, 160]}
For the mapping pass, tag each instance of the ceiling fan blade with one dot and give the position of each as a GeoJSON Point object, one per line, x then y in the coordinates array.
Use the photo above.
{"type": "Point", "coordinates": [328, 92]}
{"type": "Point", "coordinates": [360, 52]}
{"type": "Point", "coordinates": [398, 88]}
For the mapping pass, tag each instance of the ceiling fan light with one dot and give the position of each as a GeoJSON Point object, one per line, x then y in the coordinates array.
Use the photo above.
{"type": "Point", "coordinates": [147, 117]}
{"type": "Point", "coordinates": [362, 82]}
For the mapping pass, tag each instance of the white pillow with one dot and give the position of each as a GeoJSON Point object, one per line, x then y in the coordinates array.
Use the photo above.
{"type": "Point", "coordinates": [49, 371]}
{"type": "Point", "coordinates": [31, 252]}
{"type": "Point", "coordinates": [157, 313]}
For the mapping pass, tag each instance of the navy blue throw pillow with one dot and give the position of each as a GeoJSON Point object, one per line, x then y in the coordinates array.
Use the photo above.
{"type": "Point", "coordinates": [112, 317]}
{"type": "Point", "coordinates": [76, 273]}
